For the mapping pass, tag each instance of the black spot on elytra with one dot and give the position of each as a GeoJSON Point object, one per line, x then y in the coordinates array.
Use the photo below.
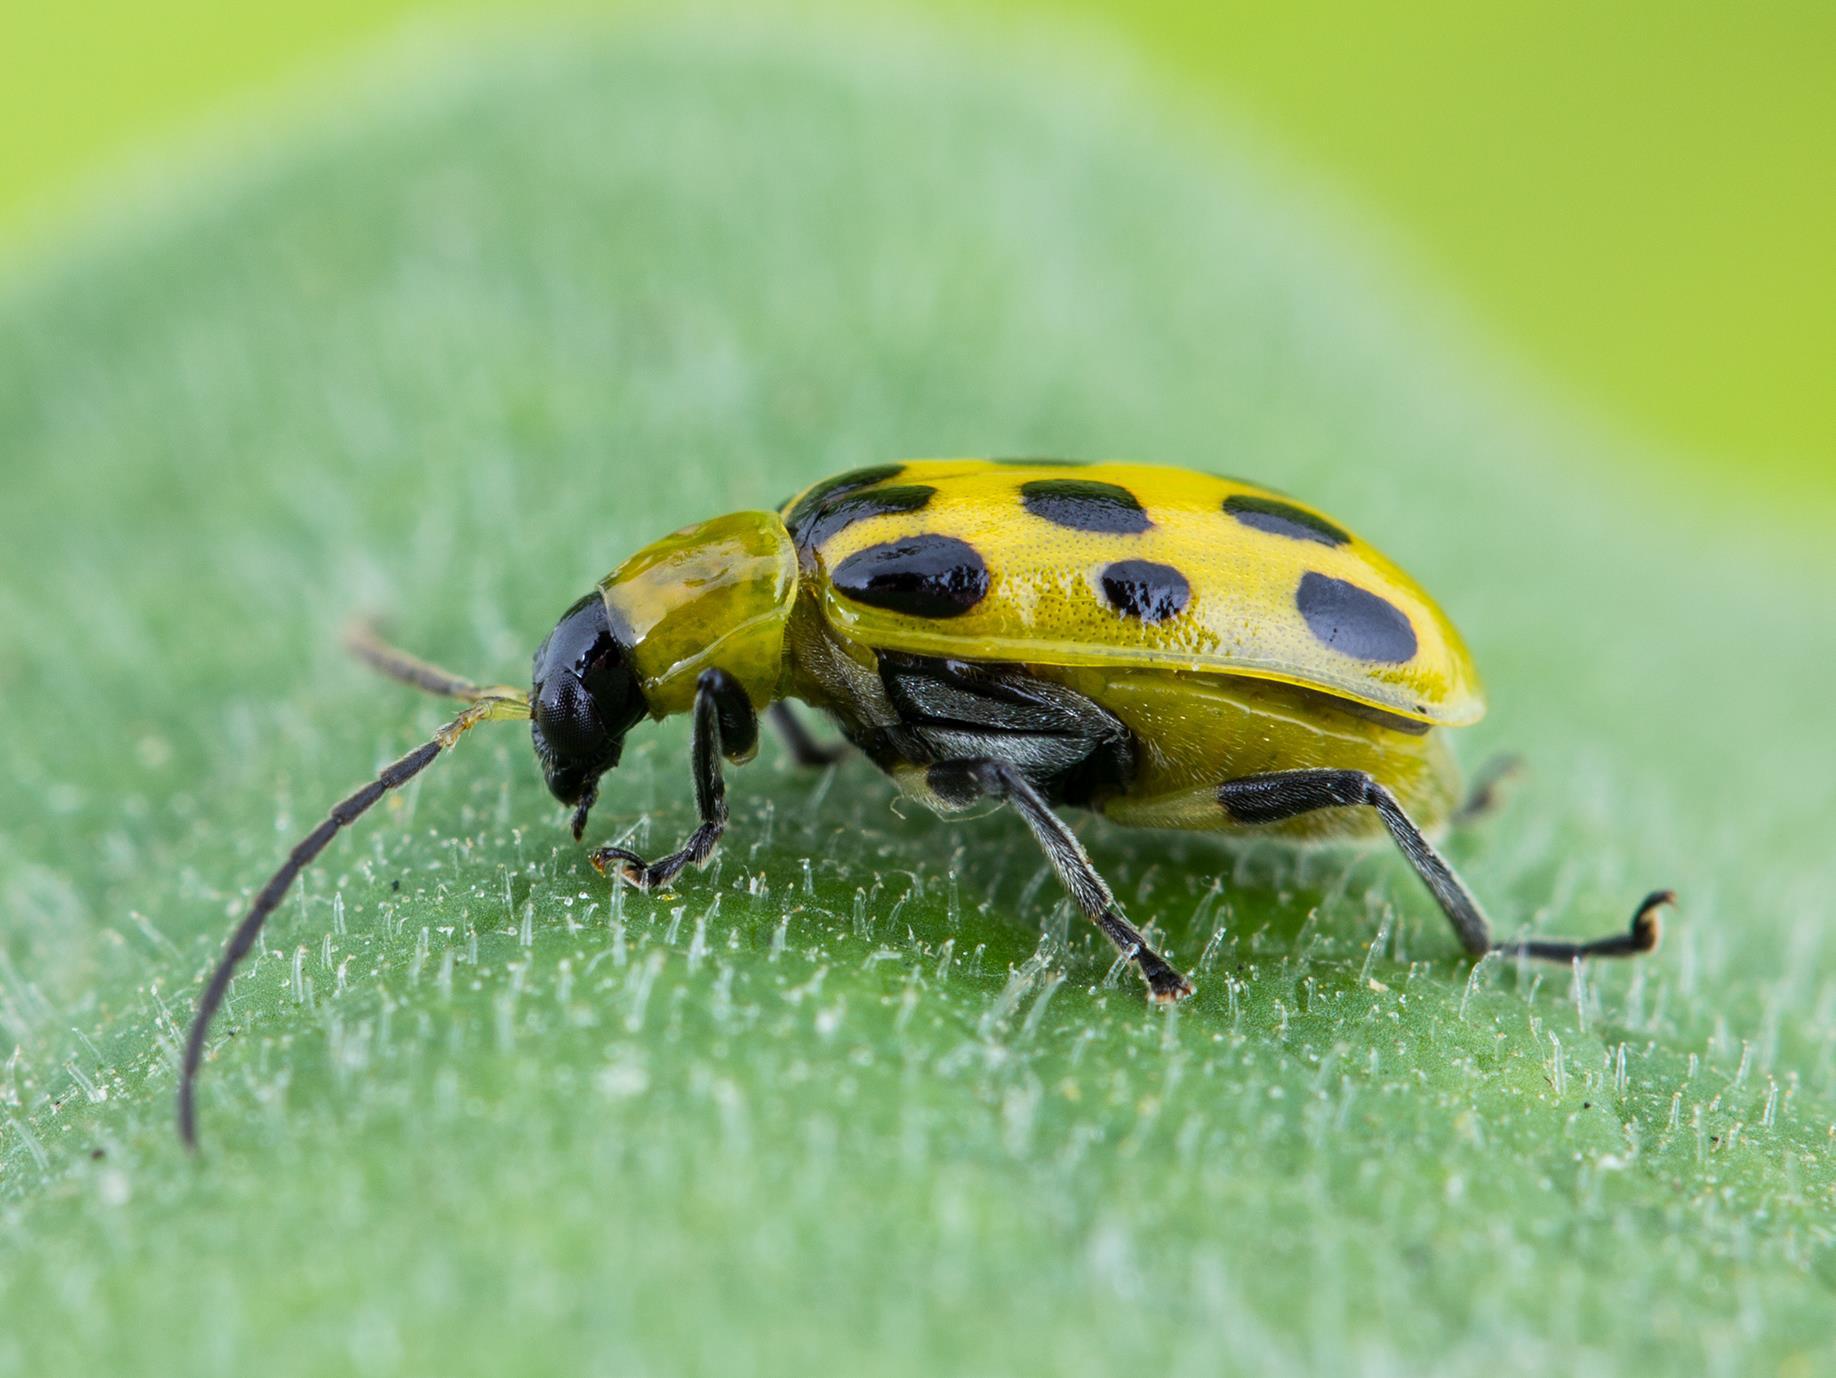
{"type": "Point", "coordinates": [855, 479]}
{"type": "Point", "coordinates": [1085, 505]}
{"type": "Point", "coordinates": [844, 509]}
{"type": "Point", "coordinates": [1143, 589]}
{"type": "Point", "coordinates": [922, 576]}
{"type": "Point", "coordinates": [1355, 622]}
{"type": "Point", "coordinates": [1281, 519]}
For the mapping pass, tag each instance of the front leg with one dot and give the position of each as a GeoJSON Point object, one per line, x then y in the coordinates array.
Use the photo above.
{"type": "Point", "coordinates": [725, 724]}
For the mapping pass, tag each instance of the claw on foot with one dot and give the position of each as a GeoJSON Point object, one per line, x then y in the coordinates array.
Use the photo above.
{"type": "Point", "coordinates": [1647, 927]}
{"type": "Point", "coordinates": [630, 867]}
{"type": "Point", "coordinates": [1168, 987]}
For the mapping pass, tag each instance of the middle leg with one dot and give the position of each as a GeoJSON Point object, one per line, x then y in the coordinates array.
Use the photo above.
{"type": "Point", "coordinates": [960, 783]}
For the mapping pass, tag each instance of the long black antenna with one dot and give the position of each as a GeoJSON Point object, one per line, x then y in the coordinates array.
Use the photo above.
{"type": "Point", "coordinates": [488, 705]}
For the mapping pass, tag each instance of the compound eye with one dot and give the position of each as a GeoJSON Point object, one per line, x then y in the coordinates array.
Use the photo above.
{"type": "Point", "coordinates": [565, 715]}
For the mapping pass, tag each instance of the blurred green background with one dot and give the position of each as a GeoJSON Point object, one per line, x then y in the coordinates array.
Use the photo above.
{"type": "Point", "coordinates": [445, 332]}
{"type": "Point", "coordinates": [1635, 200]}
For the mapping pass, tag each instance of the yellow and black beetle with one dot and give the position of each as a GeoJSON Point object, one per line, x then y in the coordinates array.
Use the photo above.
{"type": "Point", "coordinates": [1167, 648]}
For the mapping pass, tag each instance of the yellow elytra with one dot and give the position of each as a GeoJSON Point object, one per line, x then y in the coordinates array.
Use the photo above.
{"type": "Point", "coordinates": [1177, 600]}
{"type": "Point", "coordinates": [1167, 648]}
{"type": "Point", "coordinates": [1252, 583]}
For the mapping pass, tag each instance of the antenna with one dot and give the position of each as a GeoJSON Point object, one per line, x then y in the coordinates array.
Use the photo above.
{"type": "Point", "coordinates": [497, 703]}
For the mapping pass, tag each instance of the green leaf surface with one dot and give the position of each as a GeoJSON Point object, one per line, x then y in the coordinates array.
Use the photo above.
{"type": "Point", "coordinates": [860, 1097]}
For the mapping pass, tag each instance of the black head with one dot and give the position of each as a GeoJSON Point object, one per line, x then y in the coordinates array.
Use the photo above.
{"type": "Point", "coordinates": [585, 698]}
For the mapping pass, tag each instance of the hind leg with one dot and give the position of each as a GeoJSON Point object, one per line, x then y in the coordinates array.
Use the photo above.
{"type": "Point", "coordinates": [1281, 795]}
{"type": "Point", "coordinates": [1489, 786]}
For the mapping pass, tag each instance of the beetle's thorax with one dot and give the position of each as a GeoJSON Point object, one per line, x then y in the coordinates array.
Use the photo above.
{"type": "Point", "coordinates": [716, 594]}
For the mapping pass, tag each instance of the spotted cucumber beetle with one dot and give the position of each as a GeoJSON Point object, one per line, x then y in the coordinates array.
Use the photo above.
{"type": "Point", "coordinates": [1163, 647]}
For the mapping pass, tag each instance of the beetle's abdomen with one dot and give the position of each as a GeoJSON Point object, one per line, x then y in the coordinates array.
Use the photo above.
{"type": "Point", "coordinates": [1193, 732]}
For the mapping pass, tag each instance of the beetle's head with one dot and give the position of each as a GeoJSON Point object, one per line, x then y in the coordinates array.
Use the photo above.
{"type": "Point", "coordinates": [586, 697]}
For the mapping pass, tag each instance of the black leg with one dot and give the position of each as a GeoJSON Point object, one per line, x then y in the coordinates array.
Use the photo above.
{"type": "Point", "coordinates": [1488, 789]}
{"type": "Point", "coordinates": [724, 722]}
{"type": "Point", "coordinates": [805, 750]}
{"type": "Point", "coordinates": [960, 782]}
{"type": "Point", "coordinates": [1289, 793]}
